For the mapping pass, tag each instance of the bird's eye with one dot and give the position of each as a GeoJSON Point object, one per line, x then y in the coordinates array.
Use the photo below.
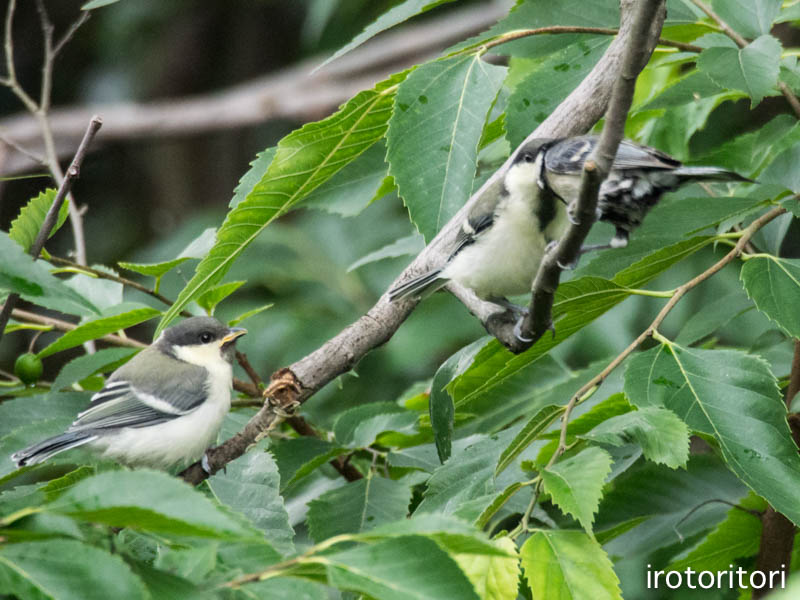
{"type": "Point", "coordinates": [528, 157]}
{"type": "Point", "coordinates": [206, 337]}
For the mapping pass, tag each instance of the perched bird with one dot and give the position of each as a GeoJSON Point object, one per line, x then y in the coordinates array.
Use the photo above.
{"type": "Point", "coordinates": [501, 243]}
{"type": "Point", "coordinates": [639, 177]}
{"type": "Point", "coordinates": [163, 408]}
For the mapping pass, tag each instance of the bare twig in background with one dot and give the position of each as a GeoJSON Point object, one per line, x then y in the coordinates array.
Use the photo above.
{"type": "Point", "coordinates": [295, 384]}
{"type": "Point", "coordinates": [52, 215]}
{"type": "Point", "coordinates": [596, 168]}
{"type": "Point", "coordinates": [40, 111]}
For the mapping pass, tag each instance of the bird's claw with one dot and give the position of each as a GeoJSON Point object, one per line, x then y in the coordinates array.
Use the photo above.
{"type": "Point", "coordinates": [204, 464]}
{"type": "Point", "coordinates": [518, 332]}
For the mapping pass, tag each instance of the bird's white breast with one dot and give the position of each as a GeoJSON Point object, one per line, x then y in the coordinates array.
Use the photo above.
{"type": "Point", "coordinates": [180, 441]}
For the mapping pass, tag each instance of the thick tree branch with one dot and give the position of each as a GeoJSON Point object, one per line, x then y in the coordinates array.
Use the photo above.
{"type": "Point", "coordinates": [293, 385]}
{"type": "Point", "coordinates": [52, 214]}
{"type": "Point", "coordinates": [596, 168]}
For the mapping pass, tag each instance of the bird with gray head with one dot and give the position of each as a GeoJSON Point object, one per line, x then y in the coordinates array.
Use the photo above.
{"type": "Point", "coordinates": [504, 237]}
{"type": "Point", "coordinates": [163, 408]}
{"type": "Point", "coordinates": [639, 177]}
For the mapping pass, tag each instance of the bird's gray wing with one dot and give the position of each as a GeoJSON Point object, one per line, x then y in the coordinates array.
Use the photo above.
{"type": "Point", "coordinates": [479, 219]}
{"type": "Point", "coordinates": [133, 400]}
{"type": "Point", "coordinates": [635, 156]}
{"type": "Point", "coordinates": [568, 156]}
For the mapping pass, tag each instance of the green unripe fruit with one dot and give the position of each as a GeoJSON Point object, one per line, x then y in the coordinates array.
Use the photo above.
{"type": "Point", "coordinates": [28, 367]}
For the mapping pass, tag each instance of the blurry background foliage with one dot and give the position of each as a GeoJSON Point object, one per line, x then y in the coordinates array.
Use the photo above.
{"type": "Point", "coordinates": [149, 199]}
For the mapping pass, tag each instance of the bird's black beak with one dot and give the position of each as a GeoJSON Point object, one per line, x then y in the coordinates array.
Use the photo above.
{"type": "Point", "coordinates": [234, 333]}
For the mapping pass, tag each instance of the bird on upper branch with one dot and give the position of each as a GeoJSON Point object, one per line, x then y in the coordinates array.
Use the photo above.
{"type": "Point", "coordinates": [639, 176]}
{"type": "Point", "coordinates": [504, 237]}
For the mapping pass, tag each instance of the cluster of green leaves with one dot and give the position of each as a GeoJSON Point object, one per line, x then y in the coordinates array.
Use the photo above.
{"type": "Point", "coordinates": [467, 452]}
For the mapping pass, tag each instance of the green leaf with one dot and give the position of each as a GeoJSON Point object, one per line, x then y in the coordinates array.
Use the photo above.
{"type": "Point", "coordinates": [781, 170]}
{"type": "Point", "coordinates": [749, 18]}
{"type": "Point", "coordinates": [669, 503]}
{"type": "Point", "coordinates": [465, 485]}
{"type": "Point", "coordinates": [250, 179]}
{"type": "Point", "coordinates": [248, 314]}
{"type": "Point", "coordinates": [544, 83]}
{"type": "Point", "coordinates": [441, 408]}
{"type": "Point", "coordinates": [298, 457]}
{"type": "Point", "coordinates": [733, 397]}
{"type": "Point", "coordinates": [167, 586]}
{"type": "Point", "coordinates": [358, 427]}
{"type": "Point", "coordinates": [568, 565]}
{"type": "Point", "coordinates": [773, 283]}
{"type": "Point", "coordinates": [394, 16]}
{"type": "Point", "coordinates": [290, 588]}
{"type": "Point", "coordinates": [17, 412]}
{"type": "Point", "coordinates": [453, 535]}
{"type": "Point", "coordinates": [67, 570]}
{"type": "Point", "coordinates": [712, 316]}
{"type": "Point", "coordinates": [433, 136]}
{"type": "Point", "coordinates": [209, 299]}
{"type": "Point", "coordinates": [91, 330]}
{"type": "Point", "coordinates": [34, 282]}
{"type": "Point", "coordinates": [664, 438]}
{"type": "Point", "coordinates": [752, 69]}
{"type": "Point", "coordinates": [357, 507]}
{"type": "Point", "coordinates": [250, 485]}
{"type": "Point", "coordinates": [25, 228]}
{"type": "Point", "coordinates": [576, 483]}
{"type": "Point", "coordinates": [406, 568]}
{"type": "Point", "coordinates": [89, 364]}
{"type": "Point", "coordinates": [690, 88]}
{"type": "Point", "coordinates": [354, 187]}
{"type": "Point", "coordinates": [409, 245]}
{"type": "Point", "coordinates": [528, 434]}
{"type": "Point", "coordinates": [156, 270]}
{"type": "Point", "coordinates": [737, 537]}
{"type": "Point", "coordinates": [305, 159]}
{"type": "Point", "coordinates": [493, 577]}
{"type": "Point", "coordinates": [147, 501]}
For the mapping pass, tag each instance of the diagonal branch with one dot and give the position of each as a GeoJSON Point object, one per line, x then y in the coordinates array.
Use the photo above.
{"type": "Point", "coordinates": [295, 384]}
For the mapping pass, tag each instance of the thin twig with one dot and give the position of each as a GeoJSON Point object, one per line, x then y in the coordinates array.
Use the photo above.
{"type": "Point", "coordinates": [559, 29]}
{"type": "Point", "coordinates": [740, 41]}
{"type": "Point", "coordinates": [112, 277]}
{"type": "Point", "coordinates": [52, 215]}
{"type": "Point", "coordinates": [60, 325]}
{"type": "Point", "coordinates": [59, 45]}
{"type": "Point", "coordinates": [595, 382]}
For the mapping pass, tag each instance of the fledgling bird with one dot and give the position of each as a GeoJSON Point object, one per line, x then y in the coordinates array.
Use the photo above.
{"type": "Point", "coordinates": [639, 176]}
{"type": "Point", "coordinates": [504, 237]}
{"type": "Point", "coordinates": [163, 408]}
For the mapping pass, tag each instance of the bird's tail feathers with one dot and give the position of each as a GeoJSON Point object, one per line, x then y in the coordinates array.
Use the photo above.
{"type": "Point", "coordinates": [710, 174]}
{"type": "Point", "coordinates": [40, 452]}
{"type": "Point", "coordinates": [423, 285]}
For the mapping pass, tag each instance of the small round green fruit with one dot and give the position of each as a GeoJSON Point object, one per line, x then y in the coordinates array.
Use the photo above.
{"type": "Point", "coordinates": [28, 367]}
